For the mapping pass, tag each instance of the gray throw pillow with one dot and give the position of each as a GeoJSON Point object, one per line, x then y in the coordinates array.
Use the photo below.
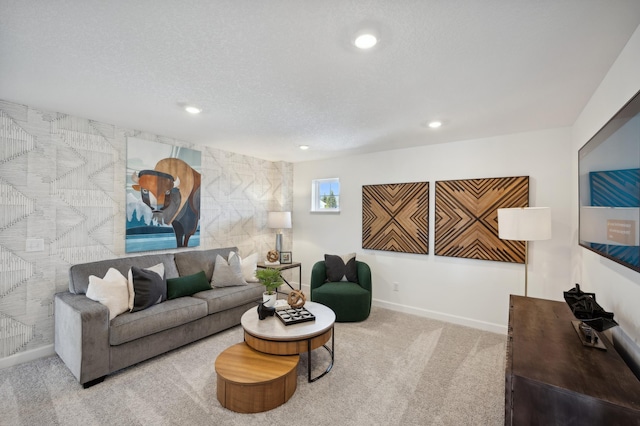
{"type": "Point", "coordinates": [192, 262]}
{"type": "Point", "coordinates": [341, 268]}
{"type": "Point", "coordinates": [227, 274]}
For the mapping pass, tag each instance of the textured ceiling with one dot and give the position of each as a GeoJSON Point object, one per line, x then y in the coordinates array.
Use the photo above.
{"type": "Point", "coordinates": [272, 75]}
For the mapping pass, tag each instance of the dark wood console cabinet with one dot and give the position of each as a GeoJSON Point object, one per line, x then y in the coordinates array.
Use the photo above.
{"type": "Point", "coordinates": [552, 379]}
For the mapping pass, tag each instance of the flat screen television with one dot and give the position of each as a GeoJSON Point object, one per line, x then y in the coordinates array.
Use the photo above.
{"type": "Point", "coordinates": [609, 188]}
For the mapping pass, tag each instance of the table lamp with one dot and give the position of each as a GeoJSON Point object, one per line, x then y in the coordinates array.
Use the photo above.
{"type": "Point", "coordinates": [279, 221]}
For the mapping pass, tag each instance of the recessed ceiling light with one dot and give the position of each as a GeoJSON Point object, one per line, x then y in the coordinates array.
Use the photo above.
{"type": "Point", "coordinates": [304, 147]}
{"type": "Point", "coordinates": [193, 110]}
{"type": "Point", "coordinates": [365, 41]}
{"type": "Point", "coordinates": [435, 124]}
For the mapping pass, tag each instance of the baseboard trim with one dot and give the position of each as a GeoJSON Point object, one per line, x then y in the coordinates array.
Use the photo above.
{"type": "Point", "coordinates": [467, 322]}
{"type": "Point", "coordinates": [45, 351]}
{"type": "Point", "coordinates": [26, 356]}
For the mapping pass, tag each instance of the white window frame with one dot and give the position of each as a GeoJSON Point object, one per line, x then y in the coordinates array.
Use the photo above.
{"type": "Point", "coordinates": [316, 196]}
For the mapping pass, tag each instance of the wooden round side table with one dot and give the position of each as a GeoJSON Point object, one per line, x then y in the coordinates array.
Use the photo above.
{"type": "Point", "coordinates": [251, 382]}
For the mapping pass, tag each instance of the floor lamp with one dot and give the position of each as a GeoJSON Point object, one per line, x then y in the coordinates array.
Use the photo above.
{"type": "Point", "coordinates": [279, 221]}
{"type": "Point", "coordinates": [525, 224]}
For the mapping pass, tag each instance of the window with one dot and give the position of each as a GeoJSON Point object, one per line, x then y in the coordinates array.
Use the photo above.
{"type": "Point", "coordinates": [325, 195]}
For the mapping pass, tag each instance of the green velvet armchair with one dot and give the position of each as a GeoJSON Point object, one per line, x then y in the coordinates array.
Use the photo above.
{"type": "Point", "coordinates": [350, 301]}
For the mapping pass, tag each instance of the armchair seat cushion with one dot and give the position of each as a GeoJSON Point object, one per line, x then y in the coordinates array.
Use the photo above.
{"type": "Point", "coordinates": [349, 301]}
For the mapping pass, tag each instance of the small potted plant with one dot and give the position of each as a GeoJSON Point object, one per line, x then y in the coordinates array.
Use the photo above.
{"type": "Point", "coordinates": [270, 278]}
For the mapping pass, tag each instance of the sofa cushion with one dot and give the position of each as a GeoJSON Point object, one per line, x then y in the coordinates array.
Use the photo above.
{"type": "Point", "coordinates": [223, 298]}
{"type": "Point", "coordinates": [79, 274]}
{"type": "Point", "coordinates": [189, 263]}
{"type": "Point", "coordinates": [172, 313]}
{"type": "Point", "coordinates": [186, 286]}
{"type": "Point", "coordinates": [193, 261]}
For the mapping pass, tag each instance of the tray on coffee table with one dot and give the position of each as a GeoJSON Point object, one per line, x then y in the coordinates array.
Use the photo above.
{"type": "Point", "coordinates": [295, 315]}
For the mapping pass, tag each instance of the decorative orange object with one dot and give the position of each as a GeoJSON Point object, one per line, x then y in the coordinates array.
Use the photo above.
{"type": "Point", "coordinates": [296, 299]}
{"type": "Point", "coordinates": [273, 256]}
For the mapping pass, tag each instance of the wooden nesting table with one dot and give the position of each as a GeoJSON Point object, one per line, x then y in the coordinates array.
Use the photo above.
{"type": "Point", "coordinates": [251, 382]}
{"type": "Point", "coordinates": [261, 373]}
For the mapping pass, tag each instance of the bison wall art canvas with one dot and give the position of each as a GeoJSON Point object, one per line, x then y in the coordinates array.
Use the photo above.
{"type": "Point", "coordinates": [163, 196]}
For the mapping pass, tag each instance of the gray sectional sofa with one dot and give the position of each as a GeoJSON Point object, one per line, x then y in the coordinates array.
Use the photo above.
{"type": "Point", "coordinates": [92, 346]}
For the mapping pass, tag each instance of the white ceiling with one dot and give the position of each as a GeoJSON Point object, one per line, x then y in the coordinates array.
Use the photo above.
{"type": "Point", "coordinates": [272, 75]}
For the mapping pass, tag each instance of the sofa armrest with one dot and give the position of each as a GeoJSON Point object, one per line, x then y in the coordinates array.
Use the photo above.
{"type": "Point", "coordinates": [82, 335]}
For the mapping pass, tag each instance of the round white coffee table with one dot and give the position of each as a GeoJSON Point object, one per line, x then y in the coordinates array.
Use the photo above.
{"type": "Point", "coordinates": [271, 336]}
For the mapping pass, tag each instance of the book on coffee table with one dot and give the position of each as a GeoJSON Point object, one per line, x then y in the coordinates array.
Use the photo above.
{"type": "Point", "coordinates": [281, 304]}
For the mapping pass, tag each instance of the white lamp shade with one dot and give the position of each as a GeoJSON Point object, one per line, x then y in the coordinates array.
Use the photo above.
{"type": "Point", "coordinates": [610, 225]}
{"type": "Point", "coordinates": [279, 220]}
{"type": "Point", "coordinates": [524, 223]}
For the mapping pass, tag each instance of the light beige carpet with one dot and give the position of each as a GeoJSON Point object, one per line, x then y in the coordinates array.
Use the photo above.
{"type": "Point", "coordinates": [392, 369]}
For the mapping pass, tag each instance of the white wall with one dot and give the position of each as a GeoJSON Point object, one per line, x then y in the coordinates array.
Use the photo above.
{"type": "Point", "coordinates": [617, 287]}
{"type": "Point", "coordinates": [465, 291]}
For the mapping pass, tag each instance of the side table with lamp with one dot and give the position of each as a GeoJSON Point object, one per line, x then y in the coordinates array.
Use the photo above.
{"type": "Point", "coordinates": [283, 267]}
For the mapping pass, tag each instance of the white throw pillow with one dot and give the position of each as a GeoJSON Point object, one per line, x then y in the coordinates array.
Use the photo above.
{"type": "Point", "coordinates": [249, 266]}
{"type": "Point", "coordinates": [158, 269]}
{"type": "Point", "coordinates": [227, 274]}
{"type": "Point", "coordinates": [111, 291]}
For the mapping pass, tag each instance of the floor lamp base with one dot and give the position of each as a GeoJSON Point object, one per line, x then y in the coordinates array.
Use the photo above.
{"type": "Point", "coordinates": [526, 269]}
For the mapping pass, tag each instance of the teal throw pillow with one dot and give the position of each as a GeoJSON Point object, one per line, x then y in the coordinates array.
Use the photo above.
{"type": "Point", "coordinates": [187, 285]}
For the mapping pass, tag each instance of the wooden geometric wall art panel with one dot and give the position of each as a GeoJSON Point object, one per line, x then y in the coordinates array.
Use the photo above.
{"type": "Point", "coordinates": [467, 217]}
{"type": "Point", "coordinates": [395, 217]}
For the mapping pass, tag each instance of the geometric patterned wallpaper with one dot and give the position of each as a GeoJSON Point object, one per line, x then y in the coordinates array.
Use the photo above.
{"type": "Point", "coordinates": [62, 180]}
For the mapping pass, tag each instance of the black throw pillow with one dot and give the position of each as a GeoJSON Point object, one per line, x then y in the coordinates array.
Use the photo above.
{"type": "Point", "coordinates": [341, 268]}
{"type": "Point", "coordinates": [150, 288]}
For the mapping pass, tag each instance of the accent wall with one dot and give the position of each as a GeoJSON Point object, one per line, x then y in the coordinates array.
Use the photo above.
{"type": "Point", "coordinates": [62, 202]}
